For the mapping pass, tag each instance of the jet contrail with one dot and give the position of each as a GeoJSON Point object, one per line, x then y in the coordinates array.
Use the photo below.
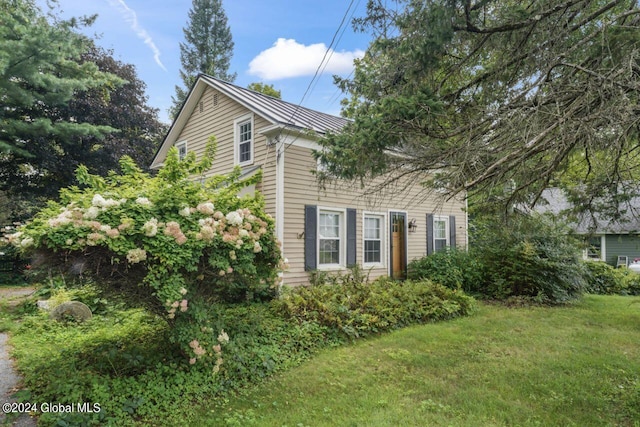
{"type": "Point", "coordinates": [130, 16]}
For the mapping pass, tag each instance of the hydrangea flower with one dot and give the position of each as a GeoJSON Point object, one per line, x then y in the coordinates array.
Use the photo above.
{"type": "Point", "coordinates": [234, 218]}
{"type": "Point", "coordinates": [137, 255]}
{"type": "Point", "coordinates": [143, 201]}
{"type": "Point", "coordinates": [150, 228]}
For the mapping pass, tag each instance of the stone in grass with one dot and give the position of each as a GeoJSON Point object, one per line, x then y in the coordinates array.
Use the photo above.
{"type": "Point", "coordinates": [71, 309]}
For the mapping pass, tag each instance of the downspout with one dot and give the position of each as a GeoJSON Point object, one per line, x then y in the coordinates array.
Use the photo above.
{"type": "Point", "coordinates": [280, 149]}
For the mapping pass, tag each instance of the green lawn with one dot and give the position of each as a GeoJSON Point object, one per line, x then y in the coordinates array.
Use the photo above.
{"type": "Point", "coordinates": [571, 366]}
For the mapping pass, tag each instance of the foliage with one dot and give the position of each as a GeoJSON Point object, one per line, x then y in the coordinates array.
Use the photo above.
{"type": "Point", "coordinates": [356, 309]}
{"type": "Point", "coordinates": [604, 279]}
{"type": "Point", "coordinates": [473, 96]}
{"type": "Point", "coordinates": [164, 243]}
{"type": "Point", "coordinates": [353, 275]}
{"type": "Point", "coordinates": [529, 256]}
{"type": "Point", "coordinates": [207, 49]}
{"type": "Point", "coordinates": [266, 89]}
{"type": "Point", "coordinates": [41, 70]}
{"type": "Point", "coordinates": [454, 269]}
{"type": "Point", "coordinates": [122, 359]}
{"type": "Point", "coordinates": [124, 109]}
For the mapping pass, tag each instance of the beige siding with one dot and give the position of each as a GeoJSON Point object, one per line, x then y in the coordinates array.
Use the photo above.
{"type": "Point", "coordinates": [208, 119]}
{"type": "Point", "coordinates": [300, 189]}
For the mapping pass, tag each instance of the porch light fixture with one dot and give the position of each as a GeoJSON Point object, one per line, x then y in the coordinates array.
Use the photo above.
{"type": "Point", "coordinates": [413, 227]}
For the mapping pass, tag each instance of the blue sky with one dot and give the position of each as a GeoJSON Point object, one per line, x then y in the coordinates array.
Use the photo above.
{"type": "Point", "coordinates": [279, 42]}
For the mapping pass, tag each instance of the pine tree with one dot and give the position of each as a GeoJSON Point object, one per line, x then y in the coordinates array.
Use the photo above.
{"type": "Point", "coordinates": [41, 72]}
{"type": "Point", "coordinates": [207, 49]}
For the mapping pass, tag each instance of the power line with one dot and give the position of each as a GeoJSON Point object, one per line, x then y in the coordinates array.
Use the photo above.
{"type": "Point", "coordinates": [322, 66]}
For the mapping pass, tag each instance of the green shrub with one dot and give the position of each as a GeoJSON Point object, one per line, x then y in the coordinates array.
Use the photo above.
{"type": "Point", "coordinates": [357, 309]}
{"type": "Point", "coordinates": [167, 242]}
{"type": "Point", "coordinates": [604, 279]}
{"type": "Point", "coordinates": [529, 257]}
{"type": "Point", "coordinates": [454, 269]}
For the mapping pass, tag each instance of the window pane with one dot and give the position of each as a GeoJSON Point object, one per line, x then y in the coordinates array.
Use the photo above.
{"type": "Point", "coordinates": [440, 244]}
{"type": "Point", "coordinates": [245, 152]}
{"type": "Point", "coordinates": [372, 251]}
{"type": "Point", "coordinates": [439, 229]}
{"type": "Point", "coordinates": [182, 150]}
{"type": "Point", "coordinates": [329, 251]}
{"type": "Point", "coordinates": [329, 225]}
{"type": "Point", "coordinates": [372, 228]}
{"type": "Point", "coordinates": [245, 132]}
{"type": "Point", "coordinates": [594, 251]}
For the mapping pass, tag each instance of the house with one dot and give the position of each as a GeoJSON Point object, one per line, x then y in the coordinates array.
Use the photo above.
{"type": "Point", "coordinates": [319, 229]}
{"type": "Point", "coordinates": [606, 239]}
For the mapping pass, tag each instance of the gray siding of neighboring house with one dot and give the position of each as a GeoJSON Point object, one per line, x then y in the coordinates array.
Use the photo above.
{"type": "Point", "coordinates": [621, 244]}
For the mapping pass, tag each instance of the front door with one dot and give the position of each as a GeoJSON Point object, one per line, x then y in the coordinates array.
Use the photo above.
{"type": "Point", "coordinates": [398, 245]}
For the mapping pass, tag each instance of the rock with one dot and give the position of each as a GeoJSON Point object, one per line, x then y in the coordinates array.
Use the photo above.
{"type": "Point", "coordinates": [44, 305]}
{"type": "Point", "coordinates": [74, 309]}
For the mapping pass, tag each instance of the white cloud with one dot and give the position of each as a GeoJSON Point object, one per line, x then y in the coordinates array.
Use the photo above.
{"type": "Point", "coordinates": [131, 18]}
{"type": "Point", "coordinates": [288, 58]}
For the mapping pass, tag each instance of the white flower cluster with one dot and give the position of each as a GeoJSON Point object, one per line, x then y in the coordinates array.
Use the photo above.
{"type": "Point", "coordinates": [205, 208]}
{"type": "Point", "coordinates": [100, 202]}
{"type": "Point", "coordinates": [234, 218]}
{"type": "Point", "coordinates": [150, 228]}
{"type": "Point", "coordinates": [143, 201]}
{"type": "Point", "coordinates": [135, 256]}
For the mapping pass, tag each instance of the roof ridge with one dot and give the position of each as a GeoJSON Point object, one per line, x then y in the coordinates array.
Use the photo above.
{"type": "Point", "coordinates": [281, 111]}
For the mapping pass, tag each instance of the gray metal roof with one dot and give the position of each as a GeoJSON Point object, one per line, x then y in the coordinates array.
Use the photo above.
{"type": "Point", "coordinates": [277, 110]}
{"type": "Point", "coordinates": [554, 201]}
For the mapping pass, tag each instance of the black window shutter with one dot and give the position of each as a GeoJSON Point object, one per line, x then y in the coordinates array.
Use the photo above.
{"type": "Point", "coordinates": [429, 234]}
{"type": "Point", "coordinates": [351, 237]}
{"type": "Point", "coordinates": [452, 231]}
{"type": "Point", "coordinates": [310, 237]}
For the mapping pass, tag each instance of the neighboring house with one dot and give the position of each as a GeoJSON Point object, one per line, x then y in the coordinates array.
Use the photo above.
{"type": "Point", "coordinates": [606, 239]}
{"type": "Point", "coordinates": [319, 229]}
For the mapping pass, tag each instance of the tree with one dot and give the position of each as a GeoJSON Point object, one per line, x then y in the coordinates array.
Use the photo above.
{"type": "Point", "coordinates": [495, 96]}
{"type": "Point", "coordinates": [138, 128]}
{"type": "Point", "coordinates": [40, 72]}
{"type": "Point", "coordinates": [266, 89]}
{"type": "Point", "coordinates": [208, 48]}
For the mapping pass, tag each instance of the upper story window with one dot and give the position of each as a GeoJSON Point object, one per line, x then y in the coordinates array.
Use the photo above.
{"type": "Point", "coordinates": [244, 140]}
{"type": "Point", "coordinates": [182, 149]}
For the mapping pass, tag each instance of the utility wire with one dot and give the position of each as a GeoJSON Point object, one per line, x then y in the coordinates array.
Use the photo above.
{"type": "Point", "coordinates": [322, 66]}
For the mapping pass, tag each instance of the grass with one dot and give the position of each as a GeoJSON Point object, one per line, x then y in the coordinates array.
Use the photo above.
{"type": "Point", "coordinates": [577, 365]}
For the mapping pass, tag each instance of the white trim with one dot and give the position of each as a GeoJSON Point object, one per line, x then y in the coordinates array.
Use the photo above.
{"type": "Point", "coordinates": [236, 139]}
{"type": "Point", "coordinates": [180, 144]}
{"type": "Point", "coordinates": [280, 150]}
{"type": "Point", "coordinates": [384, 230]}
{"type": "Point", "coordinates": [342, 236]}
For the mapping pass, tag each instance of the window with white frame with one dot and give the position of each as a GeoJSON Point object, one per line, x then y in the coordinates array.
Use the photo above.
{"type": "Point", "coordinates": [244, 140]}
{"type": "Point", "coordinates": [594, 250]}
{"type": "Point", "coordinates": [330, 237]}
{"type": "Point", "coordinates": [182, 149]}
{"type": "Point", "coordinates": [440, 233]}
{"type": "Point", "coordinates": [373, 235]}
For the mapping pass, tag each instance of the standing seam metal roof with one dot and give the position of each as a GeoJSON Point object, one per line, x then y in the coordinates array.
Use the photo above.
{"type": "Point", "coordinates": [277, 110]}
